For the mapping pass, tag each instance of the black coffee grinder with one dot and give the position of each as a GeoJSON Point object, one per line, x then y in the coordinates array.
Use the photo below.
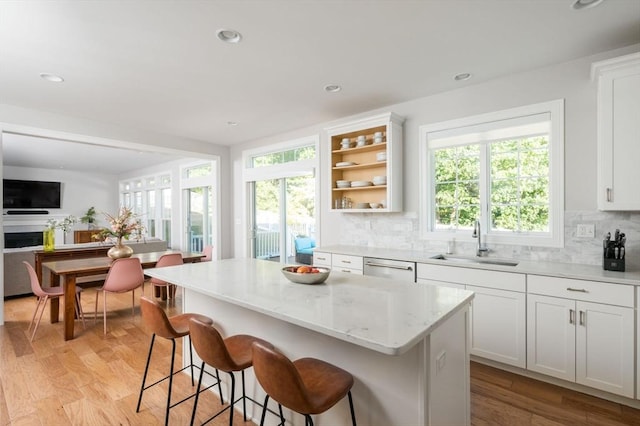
{"type": "Point", "coordinates": [613, 255]}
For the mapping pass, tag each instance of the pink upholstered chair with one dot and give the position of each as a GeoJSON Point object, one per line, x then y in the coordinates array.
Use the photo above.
{"type": "Point", "coordinates": [169, 259]}
{"type": "Point", "coordinates": [123, 276]}
{"type": "Point", "coordinates": [44, 294]}
{"type": "Point", "coordinates": [208, 253]}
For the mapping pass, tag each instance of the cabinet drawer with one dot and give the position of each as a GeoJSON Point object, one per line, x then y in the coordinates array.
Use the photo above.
{"type": "Point", "coordinates": [588, 291]}
{"type": "Point", "coordinates": [440, 283]}
{"type": "Point", "coordinates": [346, 261]}
{"type": "Point", "coordinates": [470, 276]}
{"type": "Point", "coordinates": [321, 258]}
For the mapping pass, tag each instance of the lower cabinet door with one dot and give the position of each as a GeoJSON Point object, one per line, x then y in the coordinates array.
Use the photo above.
{"type": "Point", "coordinates": [604, 347]}
{"type": "Point", "coordinates": [551, 336]}
{"type": "Point", "coordinates": [498, 325]}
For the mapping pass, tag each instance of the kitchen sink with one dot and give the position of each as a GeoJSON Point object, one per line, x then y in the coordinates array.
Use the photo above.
{"type": "Point", "coordinates": [479, 260]}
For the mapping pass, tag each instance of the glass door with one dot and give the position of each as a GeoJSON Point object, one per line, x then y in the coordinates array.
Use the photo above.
{"type": "Point", "coordinates": [283, 210]}
{"type": "Point", "coordinates": [199, 217]}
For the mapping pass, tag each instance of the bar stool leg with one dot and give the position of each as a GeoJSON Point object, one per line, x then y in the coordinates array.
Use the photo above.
{"type": "Point", "coordinates": [353, 413]}
{"type": "Point", "coordinates": [195, 403]}
{"type": "Point", "coordinates": [264, 409]}
{"type": "Point", "coordinates": [232, 402]}
{"type": "Point", "coordinates": [244, 399]}
{"type": "Point", "coordinates": [173, 357]}
{"type": "Point", "coordinates": [281, 415]}
{"type": "Point", "coordinates": [146, 370]}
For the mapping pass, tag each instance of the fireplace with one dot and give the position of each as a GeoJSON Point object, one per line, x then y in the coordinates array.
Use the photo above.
{"type": "Point", "coordinates": [22, 239]}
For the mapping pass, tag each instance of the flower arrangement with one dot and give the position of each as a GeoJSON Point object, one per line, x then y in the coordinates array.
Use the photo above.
{"type": "Point", "coordinates": [65, 224]}
{"type": "Point", "coordinates": [123, 225]}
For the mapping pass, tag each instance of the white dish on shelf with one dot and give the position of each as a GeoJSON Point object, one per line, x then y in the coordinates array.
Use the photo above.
{"type": "Point", "coordinates": [343, 185]}
{"type": "Point", "coordinates": [381, 156]}
{"type": "Point", "coordinates": [362, 206]}
{"type": "Point", "coordinates": [345, 163]}
{"type": "Point", "coordinates": [375, 205]}
{"type": "Point", "coordinates": [360, 183]}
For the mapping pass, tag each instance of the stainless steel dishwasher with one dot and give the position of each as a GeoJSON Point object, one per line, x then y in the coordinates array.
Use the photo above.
{"type": "Point", "coordinates": [394, 269]}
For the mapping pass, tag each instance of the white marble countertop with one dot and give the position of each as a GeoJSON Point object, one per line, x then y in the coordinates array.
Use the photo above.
{"type": "Point", "coordinates": [376, 313]}
{"type": "Point", "coordinates": [555, 269]}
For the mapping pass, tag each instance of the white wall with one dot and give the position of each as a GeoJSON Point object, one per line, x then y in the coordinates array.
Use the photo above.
{"type": "Point", "coordinates": [570, 81]}
{"type": "Point", "coordinates": [79, 190]}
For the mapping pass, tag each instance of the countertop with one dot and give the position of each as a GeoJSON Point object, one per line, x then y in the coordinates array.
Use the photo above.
{"type": "Point", "coordinates": [375, 313]}
{"type": "Point", "coordinates": [555, 269]}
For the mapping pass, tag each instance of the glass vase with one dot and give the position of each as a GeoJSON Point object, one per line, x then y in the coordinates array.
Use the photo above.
{"type": "Point", "coordinates": [49, 240]}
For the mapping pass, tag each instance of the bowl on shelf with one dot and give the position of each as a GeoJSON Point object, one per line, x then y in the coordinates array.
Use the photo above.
{"type": "Point", "coordinates": [360, 183]}
{"type": "Point", "coordinates": [379, 180]}
{"type": "Point", "coordinates": [345, 163]}
{"type": "Point", "coordinates": [375, 205]}
{"type": "Point", "coordinates": [310, 274]}
{"type": "Point", "coordinates": [381, 156]}
{"type": "Point", "coordinates": [362, 206]}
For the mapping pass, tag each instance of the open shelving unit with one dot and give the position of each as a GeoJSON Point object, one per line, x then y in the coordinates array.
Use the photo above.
{"type": "Point", "coordinates": [367, 164]}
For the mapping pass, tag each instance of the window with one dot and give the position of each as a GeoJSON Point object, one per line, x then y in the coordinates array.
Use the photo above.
{"type": "Point", "coordinates": [504, 169]}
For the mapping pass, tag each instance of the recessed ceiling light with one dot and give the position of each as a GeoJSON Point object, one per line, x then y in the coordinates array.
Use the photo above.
{"type": "Point", "coordinates": [229, 36]}
{"type": "Point", "coordinates": [232, 123]}
{"type": "Point", "coordinates": [585, 4]}
{"type": "Point", "coordinates": [332, 88]}
{"type": "Point", "coordinates": [462, 76]}
{"type": "Point", "coordinates": [51, 77]}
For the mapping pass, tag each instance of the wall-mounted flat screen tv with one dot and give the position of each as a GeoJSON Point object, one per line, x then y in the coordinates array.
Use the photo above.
{"type": "Point", "coordinates": [30, 194]}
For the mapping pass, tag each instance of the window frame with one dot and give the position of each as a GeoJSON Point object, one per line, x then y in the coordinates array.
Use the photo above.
{"type": "Point", "coordinates": [555, 236]}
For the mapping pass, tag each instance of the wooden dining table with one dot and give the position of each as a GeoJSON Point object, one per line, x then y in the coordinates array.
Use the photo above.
{"type": "Point", "coordinates": [70, 270]}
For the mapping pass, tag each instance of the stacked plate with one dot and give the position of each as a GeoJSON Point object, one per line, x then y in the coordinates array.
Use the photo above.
{"type": "Point", "coordinates": [345, 163]}
{"type": "Point", "coordinates": [343, 184]}
{"type": "Point", "coordinates": [362, 205]}
{"type": "Point", "coordinates": [379, 180]}
{"type": "Point", "coordinates": [360, 183]}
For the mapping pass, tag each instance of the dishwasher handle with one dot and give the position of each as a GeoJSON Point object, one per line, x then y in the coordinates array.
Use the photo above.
{"type": "Point", "coordinates": [382, 265]}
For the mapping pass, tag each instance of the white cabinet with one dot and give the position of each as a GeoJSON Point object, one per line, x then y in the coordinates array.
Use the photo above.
{"type": "Point", "coordinates": [347, 263]}
{"type": "Point", "coordinates": [618, 132]}
{"type": "Point", "coordinates": [498, 310]}
{"type": "Point", "coordinates": [321, 258]}
{"type": "Point", "coordinates": [573, 338]}
{"type": "Point", "coordinates": [366, 172]}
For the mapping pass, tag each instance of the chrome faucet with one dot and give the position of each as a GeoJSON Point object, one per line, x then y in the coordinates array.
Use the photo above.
{"type": "Point", "coordinates": [481, 249]}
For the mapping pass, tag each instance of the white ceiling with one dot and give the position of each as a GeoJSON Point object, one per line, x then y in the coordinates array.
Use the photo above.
{"type": "Point", "coordinates": [159, 66]}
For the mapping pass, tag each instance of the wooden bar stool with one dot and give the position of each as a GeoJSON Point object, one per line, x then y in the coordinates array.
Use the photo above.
{"type": "Point", "coordinates": [170, 328]}
{"type": "Point", "coordinates": [307, 386]}
{"type": "Point", "coordinates": [229, 355]}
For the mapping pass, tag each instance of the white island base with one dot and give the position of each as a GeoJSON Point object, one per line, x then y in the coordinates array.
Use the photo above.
{"type": "Point", "coordinates": [405, 344]}
{"type": "Point", "coordinates": [428, 385]}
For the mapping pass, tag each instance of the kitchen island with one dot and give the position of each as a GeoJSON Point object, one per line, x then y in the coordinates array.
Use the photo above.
{"type": "Point", "coordinates": [405, 344]}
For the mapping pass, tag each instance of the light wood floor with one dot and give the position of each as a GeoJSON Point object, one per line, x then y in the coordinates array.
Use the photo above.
{"type": "Point", "coordinates": [95, 379]}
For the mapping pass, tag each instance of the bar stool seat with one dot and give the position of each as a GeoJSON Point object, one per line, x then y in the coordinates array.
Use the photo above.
{"type": "Point", "coordinates": [170, 328]}
{"type": "Point", "coordinates": [306, 386]}
{"type": "Point", "coordinates": [226, 354]}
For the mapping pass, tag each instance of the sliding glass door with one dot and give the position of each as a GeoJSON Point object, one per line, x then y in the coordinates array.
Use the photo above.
{"type": "Point", "coordinates": [283, 209]}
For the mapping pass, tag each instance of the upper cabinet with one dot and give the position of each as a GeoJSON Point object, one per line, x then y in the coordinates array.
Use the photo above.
{"type": "Point", "coordinates": [366, 165]}
{"type": "Point", "coordinates": [618, 132]}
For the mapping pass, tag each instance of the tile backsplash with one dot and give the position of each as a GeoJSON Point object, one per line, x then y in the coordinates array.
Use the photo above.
{"type": "Point", "coordinates": [402, 231]}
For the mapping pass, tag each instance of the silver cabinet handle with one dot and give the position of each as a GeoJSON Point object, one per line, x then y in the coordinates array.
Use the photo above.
{"type": "Point", "coordinates": [321, 258]}
{"type": "Point", "coordinates": [345, 261]}
{"type": "Point", "coordinates": [572, 316]}
{"type": "Point", "coordinates": [346, 270]}
{"type": "Point", "coordinates": [582, 317]}
{"type": "Point", "coordinates": [581, 290]}
{"type": "Point", "coordinates": [381, 265]}
{"type": "Point", "coordinates": [609, 194]}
